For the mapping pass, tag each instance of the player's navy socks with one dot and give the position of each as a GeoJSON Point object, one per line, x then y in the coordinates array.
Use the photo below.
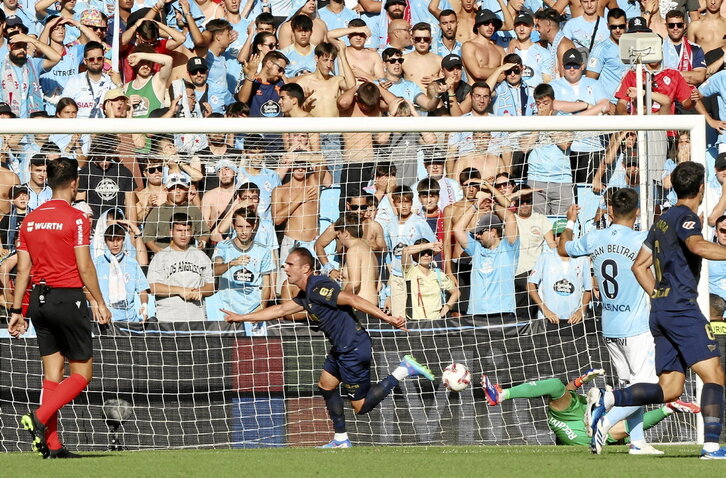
{"type": "Point", "coordinates": [66, 391]}
{"type": "Point", "coordinates": [334, 404]}
{"type": "Point", "coordinates": [638, 394]}
{"type": "Point", "coordinates": [51, 428]}
{"type": "Point", "coordinates": [712, 411]}
{"type": "Point", "coordinates": [377, 393]}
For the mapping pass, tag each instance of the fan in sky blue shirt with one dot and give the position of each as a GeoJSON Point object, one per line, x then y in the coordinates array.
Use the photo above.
{"type": "Point", "coordinates": [240, 287]}
{"type": "Point", "coordinates": [399, 235]}
{"type": "Point", "coordinates": [492, 277]}
{"type": "Point", "coordinates": [716, 85]}
{"type": "Point", "coordinates": [605, 61]}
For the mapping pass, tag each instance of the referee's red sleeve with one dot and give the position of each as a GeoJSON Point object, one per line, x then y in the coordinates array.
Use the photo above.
{"type": "Point", "coordinates": [82, 232]}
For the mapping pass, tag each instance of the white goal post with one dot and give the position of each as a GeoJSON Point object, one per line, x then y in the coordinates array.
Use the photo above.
{"type": "Point", "coordinates": [217, 386]}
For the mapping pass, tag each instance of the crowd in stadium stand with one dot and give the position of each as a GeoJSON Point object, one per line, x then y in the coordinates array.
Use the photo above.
{"type": "Point", "coordinates": [426, 225]}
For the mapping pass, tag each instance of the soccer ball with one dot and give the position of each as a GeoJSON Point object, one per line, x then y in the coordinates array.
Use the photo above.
{"type": "Point", "coordinates": [456, 377]}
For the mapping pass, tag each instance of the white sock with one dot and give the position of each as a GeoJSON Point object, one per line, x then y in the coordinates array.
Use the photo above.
{"type": "Point", "coordinates": [400, 373]}
{"type": "Point", "coordinates": [667, 410]}
{"type": "Point", "coordinates": [609, 400]}
{"type": "Point", "coordinates": [710, 446]}
{"type": "Point", "coordinates": [340, 436]}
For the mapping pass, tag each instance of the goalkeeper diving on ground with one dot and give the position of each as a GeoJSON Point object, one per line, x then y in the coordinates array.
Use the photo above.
{"type": "Point", "coordinates": [566, 410]}
{"type": "Point", "coordinates": [349, 361]}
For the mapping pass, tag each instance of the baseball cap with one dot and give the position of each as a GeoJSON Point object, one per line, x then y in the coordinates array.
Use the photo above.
{"type": "Point", "coordinates": [17, 190]}
{"type": "Point", "coordinates": [225, 163]}
{"type": "Point", "coordinates": [5, 109]}
{"type": "Point", "coordinates": [720, 163]}
{"type": "Point", "coordinates": [92, 18]}
{"type": "Point", "coordinates": [638, 25]}
{"type": "Point", "coordinates": [572, 57]}
{"type": "Point", "coordinates": [525, 18]}
{"type": "Point", "coordinates": [15, 21]}
{"type": "Point", "coordinates": [485, 15]}
{"type": "Point", "coordinates": [196, 63]}
{"type": "Point", "coordinates": [395, 2]}
{"type": "Point", "coordinates": [488, 221]}
{"type": "Point", "coordinates": [451, 61]}
{"type": "Point", "coordinates": [178, 179]}
{"type": "Point", "coordinates": [114, 94]}
{"type": "Point", "coordinates": [559, 225]}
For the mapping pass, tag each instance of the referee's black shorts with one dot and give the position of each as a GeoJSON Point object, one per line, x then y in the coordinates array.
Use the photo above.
{"type": "Point", "coordinates": [62, 324]}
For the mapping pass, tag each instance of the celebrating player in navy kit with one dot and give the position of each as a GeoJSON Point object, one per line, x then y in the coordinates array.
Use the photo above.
{"type": "Point", "coordinates": [683, 337]}
{"type": "Point", "coordinates": [331, 310]}
{"type": "Point", "coordinates": [54, 250]}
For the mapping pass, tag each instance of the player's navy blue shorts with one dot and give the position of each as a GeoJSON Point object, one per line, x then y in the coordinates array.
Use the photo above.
{"type": "Point", "coordinates": [682, 339]}
{"type": "Point", "coordinates": [352, 368]}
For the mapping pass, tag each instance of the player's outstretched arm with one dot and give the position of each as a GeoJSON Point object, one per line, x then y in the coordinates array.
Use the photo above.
{"type": "Point", "coordinates": [270, 313]}
{"type": "Point", "coordinates": [708, 250]}
{"type": "Point", "coordinates": [359, 303]}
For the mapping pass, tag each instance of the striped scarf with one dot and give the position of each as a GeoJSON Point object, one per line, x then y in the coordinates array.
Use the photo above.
{"type": "Point", "coordinates": [17, 90]}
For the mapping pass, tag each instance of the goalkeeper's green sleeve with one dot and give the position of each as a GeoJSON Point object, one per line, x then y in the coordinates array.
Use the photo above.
{"type": "Point", "coordinates": [551, 387]}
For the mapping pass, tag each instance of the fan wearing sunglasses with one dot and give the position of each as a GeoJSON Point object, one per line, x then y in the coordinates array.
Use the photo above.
{"type": "Point", "coordinates": [427, 284]}
{"type": "Point", "coordinates": [421, 66]}
{"type": "Point", "coordinates": [604, 63]}
{"type": "Point", "coordinates": [681, 54]}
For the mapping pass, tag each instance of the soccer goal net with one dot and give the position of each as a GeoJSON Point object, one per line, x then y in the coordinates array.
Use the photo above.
{"type": "Point", "coordinates": [362, 196]}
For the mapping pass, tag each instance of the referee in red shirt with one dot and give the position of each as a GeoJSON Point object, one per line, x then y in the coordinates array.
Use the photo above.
{"type": "Point", "coordinates": [53, 252]}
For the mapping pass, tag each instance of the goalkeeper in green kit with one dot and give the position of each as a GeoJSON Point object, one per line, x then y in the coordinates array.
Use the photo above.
{"type": "Point", "coordinates": [566, 407]}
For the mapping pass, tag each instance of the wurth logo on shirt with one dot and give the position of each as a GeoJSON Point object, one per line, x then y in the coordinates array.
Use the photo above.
{"type": "Point", "coordinates": [52, 226]}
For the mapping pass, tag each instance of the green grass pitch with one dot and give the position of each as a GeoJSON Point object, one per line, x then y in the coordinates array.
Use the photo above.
{"type": "Point", "coordinates": [416, 462]}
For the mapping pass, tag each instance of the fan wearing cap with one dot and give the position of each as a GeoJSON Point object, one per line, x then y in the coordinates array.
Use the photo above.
{"type": "Point", "coordinates": [668, 85]}
{"type": "Point", "coordinates": [560, 286]}
{"type": "Point", "coordinates": [89, 87]}
{"type": "Point", "coordinates": [493, 246]}
{"type": "Point", "coordinates": [536, 60]}
{"type": "Point", "coordinates": [582, 96]}
{"type": "Point", "coordinates": [10, 223]}
{"type": "Point", "coordinates": [482, 55]}
{"type": "Point", "coordinates": [588, 29]}
{"type": "Point", "coordinates": [604, 63]}
{"type": "Point", "coordinates": [92, 26]}
{"type": "Point", "coordinates": [681, 54]}
{"type": "Point", "coordinates": [707, 31]}
{"type": "Point", "coordinates": [212, 46]}
{"type": "Point", "coordinates": [512, 97]}
{"type": "Point", "coordinates": [421, 65]}
{"type": "Point", "coordinates": [452, 93]}
{"type": "Point", "coordinates": [157, 227]}
{"type": "Point", "coordinates": [19, 78]}
{"type": "Point", "coordinates": [308, 8]}
{"type": "Point", "coordinates": [547, 22]}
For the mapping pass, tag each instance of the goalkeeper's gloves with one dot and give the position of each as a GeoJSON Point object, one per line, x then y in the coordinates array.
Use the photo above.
{"type": "Point", "coordinates": [589, 376]}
